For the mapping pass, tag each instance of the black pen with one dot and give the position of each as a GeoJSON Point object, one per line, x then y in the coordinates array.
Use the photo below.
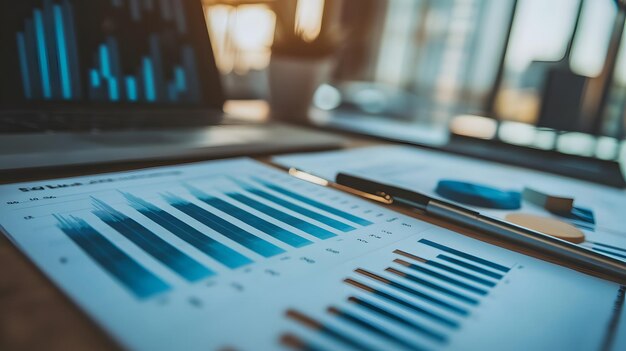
{"type": "Point", "coordinates": [562, 250]}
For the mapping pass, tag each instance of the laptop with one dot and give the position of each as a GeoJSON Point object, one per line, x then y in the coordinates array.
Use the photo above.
{"type": "Point", "coordinates": [100, 81]}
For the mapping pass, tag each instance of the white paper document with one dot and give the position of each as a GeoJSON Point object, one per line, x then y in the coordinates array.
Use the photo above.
{"type": "Point", "coordinates": [422, 170]}
{"type": "Point", "coordinates": [237, 255]}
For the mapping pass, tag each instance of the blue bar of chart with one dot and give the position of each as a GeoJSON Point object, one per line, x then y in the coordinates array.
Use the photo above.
{"type": "Point", "coordinates": [202, 242]}
{"type": "Point", "coordinates": [144, 283]}
{"type": "Point", "coordinates": [286, 218]}
{"type": "Point", "coordinates": [109, 83]}
{"type": "Point", "coordinates": [141, 282]}
{"type": "Point", "coordinates": [271, 229]}
{"type": "Point", "coordinates": [190, 250]}
{"type": "Point", "coordinates": [417, 293]}
{"type": "Point", "coordinates": [48, 54]}
{"type": "Point", "coordinates": [173, 258]}
{"type": "Point", "coordinates": [414, 326]}
{"type": "Point", "coordinates": [59, 63]}
{"type": "Point", "coordinates": [374, 329]}
{"type": "Point", "coordinates": [465, 255]}
{"type": "Point", "coordinates": [300, 209]}
{"type": "Point", "coordinates": [424, 292]}
{"type": "Point", "coordinates": [343, 214]}
{"type": "Point", "coordinates": [470, 266]}
{"type": "Point", "coordinates": [225, 228]}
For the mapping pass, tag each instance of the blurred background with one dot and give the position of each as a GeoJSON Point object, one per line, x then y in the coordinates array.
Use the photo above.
{"type": "Point", "coordinates": [548, 75]}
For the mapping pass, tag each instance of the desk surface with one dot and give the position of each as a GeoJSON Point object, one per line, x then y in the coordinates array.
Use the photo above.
{"type": "Point", "coordinates": [36, 315]}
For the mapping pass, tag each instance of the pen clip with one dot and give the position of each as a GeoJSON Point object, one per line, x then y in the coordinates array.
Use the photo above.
{"type": "Point", "coordinates": [393, 193]}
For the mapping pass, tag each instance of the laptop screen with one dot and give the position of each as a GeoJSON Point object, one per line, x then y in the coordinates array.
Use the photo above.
{"type": "Point", "coordinates": [107, 53]}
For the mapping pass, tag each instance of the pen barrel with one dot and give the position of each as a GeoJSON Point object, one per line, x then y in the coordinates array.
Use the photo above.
{"type": "Point", "coordinates": [561, 250]}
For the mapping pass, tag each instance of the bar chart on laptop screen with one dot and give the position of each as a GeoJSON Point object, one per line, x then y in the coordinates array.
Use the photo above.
{"type": "Point", "coordinates": [131, 51]}
{"type": "Point", "coordinates": [221, 249]}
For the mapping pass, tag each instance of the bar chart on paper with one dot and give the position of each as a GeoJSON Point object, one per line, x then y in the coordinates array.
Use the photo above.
{"type": "Point", "coordinates": [228, 248]}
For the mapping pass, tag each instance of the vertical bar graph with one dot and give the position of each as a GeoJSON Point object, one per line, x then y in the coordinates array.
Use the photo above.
{"type": "Point", "coordinates": [331, 222]}
{"type": "Point", "coordinates": [131, 88]}
{"type": "Point", "coordinates": [52, 47]}
{"type": "Point", "coordinates": [212, 248]}
{"type": "Point", "coordinates": [286, 218]}
{"type": "Point", "coordinates": [161, 250]}
{"type": "Point", "coordinates": [26, 74]}
{"type": "Point", "coordinates": [343, 214]}
{"type": "Point", "coordinates": [47, 48]}
{"type": "Point", "coordinates": [42, 51]}
{"type": "Point", "coordinates": [108, 83]}
{"type": "Point", "coordinates": [225, 228]}
{"type": "Point", "coordinates": [141, 282]}
{"type": "Point", "coordinates": [47, 53]}
{"type": "Point", "coordinates": [156, 59]}
{"type": "Point", "coordinates": [33, 60]}
{"type": "Point", "coordinates": [71, 42]}
{"type": "Point", "coordinates": [271, 229]}
{"type": "Point", "coordinates": [62, 51]}
{"type": "Point", "coordinates": [148, 80]}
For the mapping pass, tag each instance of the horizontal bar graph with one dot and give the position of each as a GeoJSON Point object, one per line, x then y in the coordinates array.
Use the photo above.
{"type": "Point", "coordinates": [414, 326]}
{"type": "Point", "coordinates": [444, 267]}
{"type": "Point", "coordinates": [470, 266]}
{"type": "Point", "coordinates": [403, 302]}
{"type": "Point", "coordinates": [417, 293]}
{"type": "Point", "coordinates": [151, 243]}
{"type": "Point", "coordinates": [445, 291]}
{"type": "Point", "coordinates": [441, 277]}
{"type": "Point", "coordinates": [327, 330]}
{"type": "Point", "coordinates": [429, 301]}
{"type": "Point", "coordinates": [141, 282]}
{"type": "Point", "coordinates": [372, 328]}
{"type": "Point", "coordinates": [465, 255]}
